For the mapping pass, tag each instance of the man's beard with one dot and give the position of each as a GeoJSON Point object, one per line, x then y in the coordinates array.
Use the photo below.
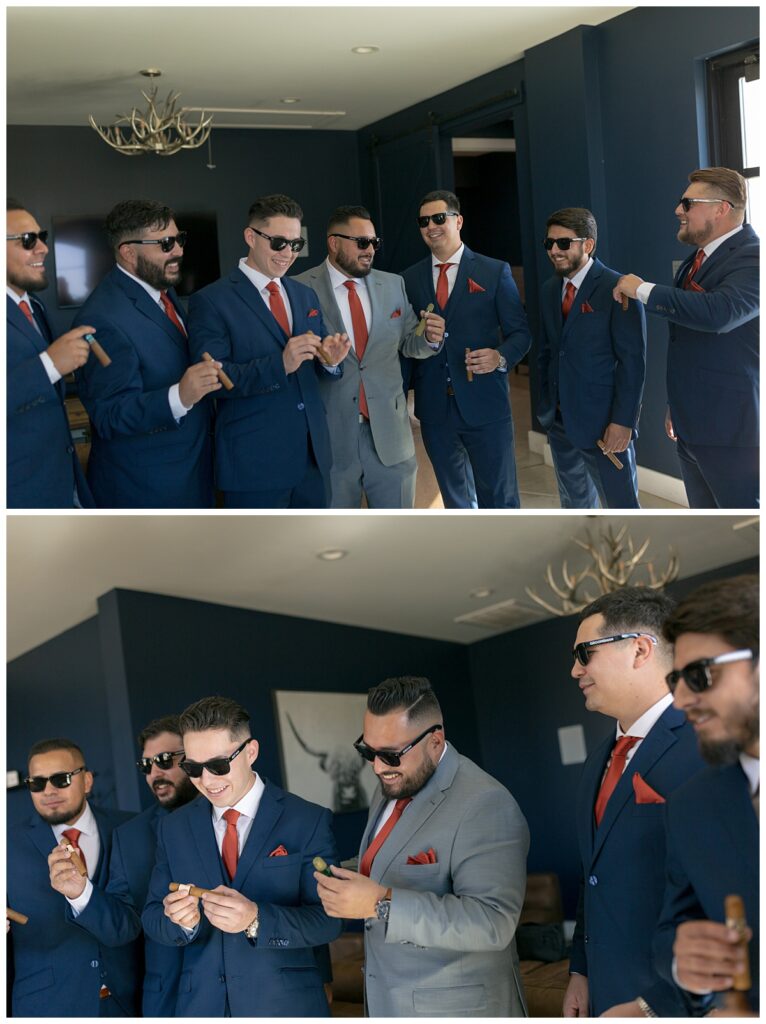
{"type": "Point", "coordinates": [35, 284]}
{"type": "Point", "coordinates": [409, 787]}
{"type": "Point", "coordinates": [699, 237]}
{"type": "Point", "coordinates": [350, 266]}
{"type": "Point", "coordinates": [723, 752]}
{"type": "Point", "coordinates": [183, 792]}
{"type": "Point", "coordinates": [155, 275]}
{"type": "Point", "coordinates": [62, 817]}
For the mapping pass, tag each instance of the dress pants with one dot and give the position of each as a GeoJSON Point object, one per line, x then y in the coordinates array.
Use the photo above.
{"type": "Point", "coordinates": [717, 477]}
{"type": "Point", "coordinates": [383, 486]}
{"type": "Point", "coordinates": [586, 477]}
{"type": "Point", "coordinates": [311, 492]}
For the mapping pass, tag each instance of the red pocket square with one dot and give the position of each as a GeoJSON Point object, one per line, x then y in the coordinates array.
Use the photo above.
{"type": "Point", "coordinates": [429, 857]}
{"type": "Point", "coordinates": [473, 287]}
{"type": "Point", "coordinates": [693, 286]}
{"type": "Point", "coordinates": [586, 308]}
{"type": "Point", "coordinates": [313, 312]}
{"type": "Point", "coordinates": [396, 313]}
{"type": "Point", "coordinates": [644, 792]}
{"type": "Point", "coordinates": [279, 852]}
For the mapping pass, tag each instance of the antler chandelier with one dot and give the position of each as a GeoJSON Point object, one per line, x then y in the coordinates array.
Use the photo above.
{"type": "Point", "coordinates": [614, 563]}
{"type": "Point", "coordinates": [161, 130]}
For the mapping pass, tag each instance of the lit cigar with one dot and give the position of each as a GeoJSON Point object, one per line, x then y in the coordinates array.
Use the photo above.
{"type": "Point", "coordinates": [14, 915]}
{"type": "Point", "coordinates": [320, 350]}
{"type": "Point", "coordinates": [192, 890]}
{"type": "Point", "coordinates": [422, 325]}
{"type": "Point", "coordinates": [322, 867]}
{"type": "Point", "coordinates": [734, 909]}
{"type": "Point", "coordinates": [468, 373]}
{"type": "Point", "coordinates": [97, 350]}
{"type": "Point", "coordinates": [224, 378]}
{"type": "Point", "coordinates": [610, 455]}
{"type": "Point", "coordinates": [74, 857]}
{"type": "Point", "coordinates": [625, 301]}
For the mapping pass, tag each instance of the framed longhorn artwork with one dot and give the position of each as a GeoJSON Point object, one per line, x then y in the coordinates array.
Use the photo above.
{"type": "Point", "coordinates": [316, 743]}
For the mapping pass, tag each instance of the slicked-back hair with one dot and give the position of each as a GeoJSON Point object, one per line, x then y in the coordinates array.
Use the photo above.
{"type": "Point", "coordinates": [215, 713]}
{"type": "Point", "coordinates": [277, 205]}
{"type": "Point", "coordinates": [131, 217]}
{"type": "Point", "coordinates": [168, 723]}
{"type": "Point", "coordinates": [577, 219]}
{"type": "Point", "coordinates": [728, 183]}
{"type": "Point", "coordinates": [727, 608]}
{"type": "Point", "coordinates": [13, 204]}
{"type": "Point", "coordinates": [341, 216]}
{"type": "Point", "coordinates": [633, 610]}
{"type": "Point", "coordinates": [60, 743]}
{"type": "Point", "coordinates": [441, 195]}
{"type": "Point", "coordinates": [412, 694]}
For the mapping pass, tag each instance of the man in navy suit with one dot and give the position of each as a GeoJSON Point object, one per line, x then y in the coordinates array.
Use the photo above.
{"type": "Point", "coordinates": [59, 969]}
{"type": "Point", "coordinates": [248, 943]}
{"type": "Point", "coordinates": [43, 468]}
{"type": "Point", "coordinates": [272, 442]}
{"type": "Point", "coordinates": [620, 663]}
{"type": "Point", "coordinates": [592, 364]}
{"type": "Point", "coordinates": [713, 365]}
{"type": "Point", "coordinates": [111, 915]}
{"type": "Point", "coordinates": [465, 420]}
{"type": "Point", "coordinates": [712, 821]}
{"type": "Point", "coordinates": [151, 444]}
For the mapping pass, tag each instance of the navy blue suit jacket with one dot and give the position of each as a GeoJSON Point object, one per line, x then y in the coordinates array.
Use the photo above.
{"type": "Point", "coordinates": [43, 468]}
{"type": "Point", "coordinates": [491, 318]}
{"type": "Point", "coordinates": [113, 915]}
{"type": "Point", "coordinates": [713, 366]}
{"type": "Point", "coordinates": [264, 424]}
{"type": "Point", "coordinates": [712, 853]}
{"type": "Point", "coordinates": [623, 866]}
{"type": "Point", "coordinates": [59, 967]}
{"type": "Point", "coordinates": [140, 456]}
{"type": "Point", "coordinates": [276, 975]}
{"type": "Point", "coordinates": [593, 364]}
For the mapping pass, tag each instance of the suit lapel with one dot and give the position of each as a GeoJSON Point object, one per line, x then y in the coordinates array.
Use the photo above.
{"type": "Point", "coordinates": [584, 293]}
{"type": "Point", "coordinates": [17, 319]}
{"type": "Point", "coordinates": [730, 805]}
{"type": "Point", "coordinates": [377, 309]}
{"type": "Point", "coordinates": [202, 842]}
{"type": "Point", "coordinates": [41, 833]}
{"type": "Point", "coordinates": [591, 783]}
{"type": "Point", "coordinates": [460, 290]}
{"type": "Point", "coordinates": [376, 809]}
{"type": "Point", "coordinates": [330, 310]}
{"type": "Point", "coordinates": [148, 307]}
{"type": "Point", "coordinates": [261, 840]}
{"type": "Point", "coordinates": [249, 294]}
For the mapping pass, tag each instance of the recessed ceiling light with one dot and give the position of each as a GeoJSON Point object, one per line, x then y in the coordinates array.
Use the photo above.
{"type": "Point", "coordinates": [150, 72]}
{"type": "Point", "coordinates": [290, 99]}
{"type": "Point", "coordinates": [332, 554]}
{"type": "Point", "coordinates": [365, 49]}
{"type": "Point", "coordinates": [481, 592]}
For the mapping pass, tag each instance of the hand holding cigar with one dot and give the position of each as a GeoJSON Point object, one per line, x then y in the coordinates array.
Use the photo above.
{"type": "Point", "coordinates": [224, 378]}
{"type": "Point", "coordinates": [97, 350]}
{"type": "Point", "coordinates": [15, 916]}
{"type": "Point", "coordinates": [422, 325]}
{"type": "Point", "coordinates": [321, 865]}
{"type": "Point", "coordinates": [192, 890]}
{"type": "Point", "coordinates": [320, 351]}
{"type": "Point", "coordinates": [181, 904]}
{"type": "Point", "coordinates": [610, 455]}
{"type": "Point", "coordinates": [74, 857]}
{"type": "Point", "coordinates": [468, 373]}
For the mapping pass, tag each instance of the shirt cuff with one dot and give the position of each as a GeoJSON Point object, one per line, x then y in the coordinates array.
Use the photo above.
{"type": "Point", "coordinates": [177, 408]}
{"type": "Point", "coordinates": [80, 903]}
{"type": "Point", "coordinates": [674, 973]}
{"type": "Point", "coordinates": [644, 291]}
{"type": "Point", "coordinates": [334, 370]}
{"type": "Point", "coordinates": [435, 345]}
{"type": "Point", "coordinates": [50, 368]}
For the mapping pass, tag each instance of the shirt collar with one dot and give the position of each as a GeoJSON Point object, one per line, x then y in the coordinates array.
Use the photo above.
{"type": "Point", "coordinates": [338, 278]}
{"type": "Point", "coordinates": [711, 247]}
{"type": "Point", "coordinates": [257, 278]}
{"type": "Point", "coordinates": [579, 277]}
{"type": "Point", "coordinates": [455, 258]}
{"type": "Point", "coordinates": [86, 824]}
{"type": "Point", "coordinates": [18, 298]}
{"type": "Point", "coordinates": [751, 766]}
{"type": "Point", "coordinates": [642, 725]}
{"type": "Point", "coordinates": [248, 804]}
{"type": "Point", "coordinates": [153, 293]}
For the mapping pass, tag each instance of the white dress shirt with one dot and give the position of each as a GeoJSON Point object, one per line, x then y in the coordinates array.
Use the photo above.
{"type": "Point", "coordinates": [644, 289]}
{"type": "Point", "coordinates": [642, 725]}
{"type": "Point", "coordinates": [341, 293]}
{"type": "Point", "coordinates": [247, 807]}
{"type": "Point", "coordinates": [751, 766]}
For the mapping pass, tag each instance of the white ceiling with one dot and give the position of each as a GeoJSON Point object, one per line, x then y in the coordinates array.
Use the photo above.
{"type": "Point", "coordinates": [410, 574]}
{"type": "Point", "coordinates": [64, 63]}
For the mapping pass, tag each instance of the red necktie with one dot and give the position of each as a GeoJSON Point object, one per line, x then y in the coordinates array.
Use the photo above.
{"type": "Point", "coordinates": [696, 264]}
{"type": "Point", "coordinates": [442, 285]}
{"type": "Point", "coordinates": [24, 307]}
{"type": "Point", "coordinates": [612, 777]}
{"type": "Point", "coordinates": [568, 302]}
{"type": "Point", "coordinates": [372, 850]}
{"type": "Point", "coordinates": [277, 306]}
{"type": "Point", "coordinates": [170, 309]}
{"type": "Point", "coordinates": [359, 324]}
{"type": "Point", "coordinates": [230, 848]}
{"type": "Point", "coordinates": [72, 835]}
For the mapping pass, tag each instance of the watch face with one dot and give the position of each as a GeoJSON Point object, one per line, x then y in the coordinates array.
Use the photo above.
{"type": "Point", "coordinates": [382, 909]}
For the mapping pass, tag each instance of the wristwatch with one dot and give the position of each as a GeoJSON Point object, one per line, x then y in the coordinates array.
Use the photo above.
{"type": "Point", "coordinates": [503, 364]}
{"type": "Point", "coordinates": [383, 906]}
{"type": "Point", "coordinates": [251, 932]}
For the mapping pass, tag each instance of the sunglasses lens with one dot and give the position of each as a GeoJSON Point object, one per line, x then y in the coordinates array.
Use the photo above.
{"type": "Point", "coordinates": [29, 240]}
{"type": "Point", "coordinates": [392, 760]}
{"type": "Point", "coordinates": [277, 244]}
{"type": "Point", "coordinates": [144, 765]}
{"type": "Point", "coordinates": [181, 238]}
{"type": "Point", "coordinates": [218, 766]}
{"type": "Point", "coordinates": [61, 780]}
{"type": "Point", "coordinates": [297, 244]}
{"type": "Point", "coordinates": [685, 205]}
{"type": "Point", "coordinates": [192, 769]}
{"type": "Point", "coordinates": [36, 784]}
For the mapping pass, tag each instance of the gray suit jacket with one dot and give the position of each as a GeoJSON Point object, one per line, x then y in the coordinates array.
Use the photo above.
{"type": "Point", "coordinates": [392, 332]}
{"type": "Point", "coordinates": [449, 947]}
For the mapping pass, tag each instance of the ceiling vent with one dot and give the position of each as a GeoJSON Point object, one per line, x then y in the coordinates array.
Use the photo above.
{"type": "Point", "coordinates": [503, 616]}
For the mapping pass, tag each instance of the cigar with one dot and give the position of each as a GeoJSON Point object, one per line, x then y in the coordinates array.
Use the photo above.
{"type": "Point", "coordinates": [422, 325]}
{"type": "Point", "coordinates": [97, 350]}
{"type": "Point", "coordinates": [192, 890]}
{"type": "Point", "coordinates": [734, 909]}
{"type": "Point", "coordinates": [625, 301]}
{"type": "Point", "coordinates": [468, 373]}
{"type": "Point", "coordinates": [75, 858]}
{"type": "Point", "coordinates": [320, 350]}
{"type": "Point", "coordinates": [610, 455]}
{"type": "Point", "coordinates": [14, 915]}
{"type": "Point", "coordinates": [224, 378]}
{"type": "Point", "coordinates": [321, 865]}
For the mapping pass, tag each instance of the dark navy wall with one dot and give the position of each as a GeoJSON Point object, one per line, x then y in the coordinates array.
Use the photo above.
{"type": "Point", "coordinates": [59, 171]}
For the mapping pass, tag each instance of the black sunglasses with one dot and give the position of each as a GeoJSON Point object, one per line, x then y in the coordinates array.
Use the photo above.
{"type": "Point", "coordinates": [688, 203]}
{"type": "Point", "coordinates": [277, 242]}
{"type": "Point", "coordinates": [216, 765]}
{"type": "Point", "coordinates": [360, 240]}
{"type": "Point", "coordinates": [393, 758]}
{"type": "Point", "coordinates": [697, 674]}
{"type": "Point", "coordinates": [582, 652]}
{"type": "Point", "coordinates": [562, 243]}
{"type": "Point", "coordinates": [166, 244]}
{"type": "Point", "coordinates": [60, 780]}
{"type": "Point", "coordinates": [163, 760]}
{"type": "Point", "coordinates": [437, 218]}
{"type": "Point", "coordinates": [28, 238]}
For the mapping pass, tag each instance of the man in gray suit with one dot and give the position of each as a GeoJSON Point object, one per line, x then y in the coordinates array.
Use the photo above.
{"type": "Point", "coordinates": [442, 870]}
{"type": "Point", "coordinates": [372, 446]}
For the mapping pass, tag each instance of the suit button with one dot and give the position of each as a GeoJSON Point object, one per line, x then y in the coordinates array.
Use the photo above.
{"type": "Point", "coordinates": [69, 450]}
{"type": "Point", "coordinates": [94, 963]}
{"type": "Point", "coordinates": [593, 880]}
{"type": "Point", "coordinates": [367, 926]}
{"type": "Point", "coordinates": [301, 406]}
{"type": "Point", "coordinates": [587, 938]}
{"type": "Point", "coordinates": [222, 979]}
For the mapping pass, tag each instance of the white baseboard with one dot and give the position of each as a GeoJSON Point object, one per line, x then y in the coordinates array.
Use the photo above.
{"type": "Point", "coordinates": [661, 485]}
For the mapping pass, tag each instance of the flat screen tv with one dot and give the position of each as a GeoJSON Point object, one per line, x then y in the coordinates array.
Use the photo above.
{"type": "Point", "coordinates": [83, 257]}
